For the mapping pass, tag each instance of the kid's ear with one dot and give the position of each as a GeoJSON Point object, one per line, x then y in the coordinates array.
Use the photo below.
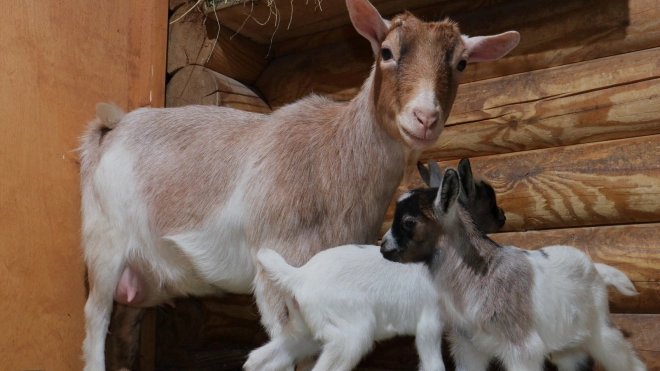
{"type": "Point", "coordinates": [431, 176]}
{"type": "Point", "coordinates": [465, 175]}
{"type": "Point", "coordinates": [447, 193]}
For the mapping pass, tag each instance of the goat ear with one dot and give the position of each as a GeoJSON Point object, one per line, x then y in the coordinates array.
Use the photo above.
{"type": "Point", "coordinates": [424, 173]}
{"type": "Point", "coordinates": [447, 193]}
{"type": "Point", "coordinates": [465, 175]}
{"type": "Point", "coordinates": [436, 174]}
{"type": "Point", "coordinates": [368, 22]}
{"type": "Point", "coordinates": [490, 48]}
{"type": "Point", "coordinates": [431, 176]}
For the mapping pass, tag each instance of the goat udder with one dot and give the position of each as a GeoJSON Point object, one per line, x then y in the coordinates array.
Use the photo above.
{"type": "Point", "coordinates": [131, 289]}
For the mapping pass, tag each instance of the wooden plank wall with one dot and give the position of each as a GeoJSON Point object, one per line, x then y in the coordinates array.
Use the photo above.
{"type": "Point", "coordinates": [59, 59]}
{"type": "Point", "coordinates": [566, 128]}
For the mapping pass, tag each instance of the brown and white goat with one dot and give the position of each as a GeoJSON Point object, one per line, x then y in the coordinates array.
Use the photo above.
{"type": "Point", "coordinates": [501, 301]}
{"type": "Point", "coordinates": [178, 201]}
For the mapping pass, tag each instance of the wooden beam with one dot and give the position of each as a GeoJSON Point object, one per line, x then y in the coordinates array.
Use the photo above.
{"type": "Point", "coordinates": [272, 22]}
{"type": "Point", "coordinates": [619, 111]}
{"type": "Point", "coordinates": [552, 35]}
{"type": "Point", "coordinates": [199, 85]}
{"type": "Point", "coordinates": [192, 41]}
{"type": "Point", "coordinates": [605, 183]}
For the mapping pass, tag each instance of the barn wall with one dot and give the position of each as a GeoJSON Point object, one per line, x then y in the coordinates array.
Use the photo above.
{"type": "Point", "coordinates": [566, 128]}
{"type": "Point", "coordinates": [59, 59]}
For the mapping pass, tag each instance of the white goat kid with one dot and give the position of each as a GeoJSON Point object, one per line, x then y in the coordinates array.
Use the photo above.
{"type": "Point", "coordinates": [347, 297]}
{"type": "Point", "coordinates": [178, 201]}
{"type": "Point", "coordinates": [505, 302]}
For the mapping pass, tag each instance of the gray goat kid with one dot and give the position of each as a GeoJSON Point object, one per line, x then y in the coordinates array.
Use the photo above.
{"type": "Point", "coordinates": [347, 297]}
{"type": "Point", "coordinates": [501, 301]}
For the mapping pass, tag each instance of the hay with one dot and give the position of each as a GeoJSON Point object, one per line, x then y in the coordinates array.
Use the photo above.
{"type": "Point", "coordinates": [215, 5]}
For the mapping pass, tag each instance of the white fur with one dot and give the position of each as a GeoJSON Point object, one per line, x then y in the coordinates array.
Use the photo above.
{"type": "Point", "coordinates": [571, 316]}
{"type": "Point", "coordinates": [346, 298]}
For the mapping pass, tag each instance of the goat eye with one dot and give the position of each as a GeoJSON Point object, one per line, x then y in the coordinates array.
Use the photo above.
{"type": "Point", "coordinates": [461, 65]}
{"type": "Point", "coordinates": [409, 223]}
{"type": "Point", "coordinates": [386, 53]}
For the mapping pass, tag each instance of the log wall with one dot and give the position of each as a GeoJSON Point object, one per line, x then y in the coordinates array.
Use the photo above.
{"type": "Point", "coordinates": [566, 128]}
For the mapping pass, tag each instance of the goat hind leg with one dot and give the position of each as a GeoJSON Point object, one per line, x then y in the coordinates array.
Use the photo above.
{"type": "Point", "coordinates": [612, 351]}
{"type": "Point", "coordinates": [98, 308]}
{"type": "Point", "coordinates": [572, 360]}
{"type": "Point", "coordinates": [280, 353]}
{"type": "Point", "coordinates": [345, 347]}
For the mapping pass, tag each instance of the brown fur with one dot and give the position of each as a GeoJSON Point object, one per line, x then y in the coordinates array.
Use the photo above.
{"type": "Point", "coordinates": [325, 171]}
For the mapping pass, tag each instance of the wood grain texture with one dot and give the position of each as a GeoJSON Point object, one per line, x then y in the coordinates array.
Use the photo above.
{"type": "Point", "coordinates": [59, 59]}
{"type": "Point", "coordinates": [337, 72]}
{"type": "Point", "coordinates": [605, 183]}
{"type": "Point", "coordinates": [199, 85]}
{"type": "Point", "coordinates": [552, 35]}
{"type": "Point", "coordinates": [194, 39]}
{"type": "Point", "coordinates": [619, 111]}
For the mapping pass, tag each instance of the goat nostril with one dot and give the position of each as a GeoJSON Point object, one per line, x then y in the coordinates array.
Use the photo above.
{"type": "Point", "coordinates": [426, 118]}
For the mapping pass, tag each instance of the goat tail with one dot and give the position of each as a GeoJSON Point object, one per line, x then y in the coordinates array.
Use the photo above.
{"type": "Point", "coordinates": [108, 116]}
{"type": "Point", "coordinates": [278, 270]}
{"type": "Point", "coordinates": [616, 278]}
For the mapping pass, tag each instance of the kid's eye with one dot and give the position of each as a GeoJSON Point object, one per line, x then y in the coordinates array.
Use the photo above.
{"type": "Point", "coordinates": [409, 223]}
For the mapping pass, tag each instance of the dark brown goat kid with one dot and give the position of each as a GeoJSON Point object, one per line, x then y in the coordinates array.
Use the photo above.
{"type": "Point", "coordinates": [477, 195]}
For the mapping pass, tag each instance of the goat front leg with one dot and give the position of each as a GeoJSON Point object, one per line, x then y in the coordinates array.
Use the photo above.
{"type": "Point", "coordinates": [466, 356]}
{"type": "Point", "coordinates": [428, 341]}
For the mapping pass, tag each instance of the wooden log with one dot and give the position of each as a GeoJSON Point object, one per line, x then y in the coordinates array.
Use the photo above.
{"type": "Point", "coordinates": [192, 40]}
{"type": "Point", "coordinates": [174, 4]}
{"type": "Point", "coordinates": [605, 183]}
{"type": "Point", "coordinates": [199, 85]}
{"type": "Point", "coordinates": [615, 112]}
{"type": "Point", "coordinates": [271, 22]}
{"type": "Point", "coordinates": [552, 35]}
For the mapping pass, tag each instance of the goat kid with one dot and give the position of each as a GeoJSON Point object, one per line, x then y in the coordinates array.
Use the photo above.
{"type": "Point", "coordinates": [501, 301]}
{"type": "Point", "coordinates": [347, 297]}
{"type": "Point", "coordinates": [178, 201]}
